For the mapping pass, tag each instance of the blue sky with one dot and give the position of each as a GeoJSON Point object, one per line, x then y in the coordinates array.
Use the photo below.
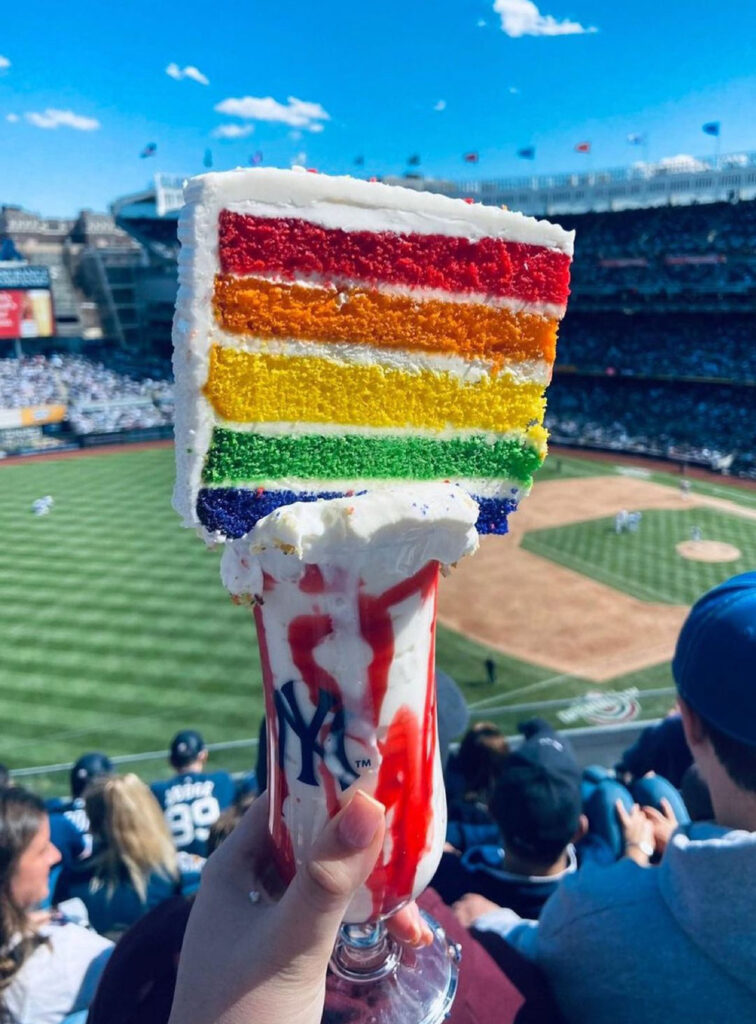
{"type": "Point", "coordinates": [83, 87]}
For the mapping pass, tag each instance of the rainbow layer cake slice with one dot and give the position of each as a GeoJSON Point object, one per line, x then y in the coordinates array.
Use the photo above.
{"type": "Point", "coordinates": [335, 335]}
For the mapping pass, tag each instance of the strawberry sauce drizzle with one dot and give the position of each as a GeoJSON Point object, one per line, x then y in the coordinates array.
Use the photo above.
{"type": "Point", "coordinates": [405, 777]}
{"type": "Point", "coordinates": [306, 632]}
{"type": "Point", "coordinates": [278, 788]}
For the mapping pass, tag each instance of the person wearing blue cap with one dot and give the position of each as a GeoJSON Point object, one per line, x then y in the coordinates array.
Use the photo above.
{"type": "Point", "coordinates": [194, 798]}
{"type": "Point", "coordinates": [675, 942]}
{"type": "Point", "coordinates": [536, 807]}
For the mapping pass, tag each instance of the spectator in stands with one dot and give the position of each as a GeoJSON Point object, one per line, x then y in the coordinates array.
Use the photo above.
{"type": "Point", "coordinates": [536, 804]}
{"type": "Point", "coordinates": [134, 865]}
{"type": "Point", "coordinates": [452, 713]}
{"type": "Point", "coordinates": [696, 795]}
{"type": "Point", "coordinates": [609, 805]}
{"type": "Point", "coordinates": [193, 799]}
{"type": "Point", "coordinates": [86, 770]}
{"type": "Point", "coordinates": [49, 967]}
{"type": "Point", "coordinates": [624, 943]}
{"type": "Point", "coordinates": [660, 748]}
{"type": "Point", "coordinates": [471, 773]}
{"type": "Point", "coordinates": [227, 821]}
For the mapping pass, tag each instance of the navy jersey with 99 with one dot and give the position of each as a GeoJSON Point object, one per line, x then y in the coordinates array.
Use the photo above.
{"type": "Point", "coordinates": [191, 803]}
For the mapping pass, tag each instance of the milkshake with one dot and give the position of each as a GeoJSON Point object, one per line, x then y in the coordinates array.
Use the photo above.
{"type": "Point", "coordinates": [344, 600]}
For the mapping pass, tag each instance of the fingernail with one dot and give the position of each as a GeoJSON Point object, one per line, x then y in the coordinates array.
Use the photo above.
{"type": "Point", "coordinates": [360, 821]}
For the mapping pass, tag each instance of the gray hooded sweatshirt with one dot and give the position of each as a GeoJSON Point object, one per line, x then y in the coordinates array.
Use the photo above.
{"type": "Point", "coordinates": [672, 943]}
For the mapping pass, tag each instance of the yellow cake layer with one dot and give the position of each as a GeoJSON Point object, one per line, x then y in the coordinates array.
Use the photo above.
{"type": "Point", "coordinates": [268, 309]}
{"type": "Point", "coordinates": [247, 387]}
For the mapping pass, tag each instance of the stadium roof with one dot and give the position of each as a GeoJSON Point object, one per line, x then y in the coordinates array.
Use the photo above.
{"type": "Point", "coordinates": [677, 181]}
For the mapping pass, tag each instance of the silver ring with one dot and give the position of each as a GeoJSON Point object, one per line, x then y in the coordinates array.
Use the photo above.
{"type": "Point", "coordinates": [254, 896]}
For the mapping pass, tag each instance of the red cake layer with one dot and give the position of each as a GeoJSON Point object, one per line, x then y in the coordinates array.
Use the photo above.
{"type": "Point", "coordinates": [289, 246]}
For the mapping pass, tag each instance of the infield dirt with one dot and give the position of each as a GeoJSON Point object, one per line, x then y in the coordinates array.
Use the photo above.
{"type": "Point", "coordinates": [529, 607]}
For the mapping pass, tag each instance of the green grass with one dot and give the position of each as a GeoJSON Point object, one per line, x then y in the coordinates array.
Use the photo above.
{"type": "Point", "coordinates": [115, 630]}
{"type": "Point", "coordinates": [645, 564]}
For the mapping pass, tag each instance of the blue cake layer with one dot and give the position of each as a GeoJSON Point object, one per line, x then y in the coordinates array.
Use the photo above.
{"type": "Point", "coordinates": [233, 511]}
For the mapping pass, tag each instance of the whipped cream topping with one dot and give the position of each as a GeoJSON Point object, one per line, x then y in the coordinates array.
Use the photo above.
{"type": "Point", "coordinates": [382, 536]}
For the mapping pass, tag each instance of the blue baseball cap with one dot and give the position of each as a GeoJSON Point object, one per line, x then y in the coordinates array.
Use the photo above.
{"type": "Point", "coordinates": [715, 660]}
{"type": "Point", "coordinates": [186, 746]}
{"type": "Point", "coordinates": [88, 768]}
{"type": "Point", "coordinates": [536, 801]}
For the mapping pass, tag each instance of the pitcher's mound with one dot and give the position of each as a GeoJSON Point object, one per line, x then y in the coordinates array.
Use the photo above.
{"type": "Point", "coordinates": [708, 550]}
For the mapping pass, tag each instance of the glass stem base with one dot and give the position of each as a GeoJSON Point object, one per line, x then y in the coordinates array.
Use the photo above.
{"type": "Point", "coordinates": [373, 979]}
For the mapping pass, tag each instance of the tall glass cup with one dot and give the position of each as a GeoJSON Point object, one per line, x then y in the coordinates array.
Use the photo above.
{"type": "Point", "coordinates": [346, 630]}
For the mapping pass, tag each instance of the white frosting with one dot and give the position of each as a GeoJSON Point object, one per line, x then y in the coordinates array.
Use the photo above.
{"type": "Point", "coordinates": [470, 371]}
{"type": "Point", "coordinates": [384, 536]}
{"type": "Point", "coordinates": [352, 204]}
{"type": "Point", "coordinates": [284, 427]}
{"type": "Point", "coordinates": [479, 487]}
{"type": "Point", "coordinates": [549, 310]}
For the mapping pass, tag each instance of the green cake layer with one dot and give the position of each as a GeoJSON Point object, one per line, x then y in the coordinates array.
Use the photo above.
{"type": "Point", "coordinates": [237, 456]}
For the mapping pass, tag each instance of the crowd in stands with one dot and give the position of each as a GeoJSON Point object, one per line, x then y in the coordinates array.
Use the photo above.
{"type": "Point", "coordinates": [707, 424]}
{"type": "Point", "coordinates": [579, 894]}
{"type": "Point", "coordinates": [681, 255]}
{"type": "Point", "coordinates": [99, 399]}
{"type": "Point", "coordinates": [661, 283]}
{"type": "Point", "coordinates": [653, 345]}
{"type": "Point", "coordinates": [721, 228]}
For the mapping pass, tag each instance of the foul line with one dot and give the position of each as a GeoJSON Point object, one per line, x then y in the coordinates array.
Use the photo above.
{"type": "Point", "coordinates": [518, 691]}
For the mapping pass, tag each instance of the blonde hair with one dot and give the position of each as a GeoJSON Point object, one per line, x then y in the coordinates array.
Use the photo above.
{"type": "Point", "coordinates": [127, 818]}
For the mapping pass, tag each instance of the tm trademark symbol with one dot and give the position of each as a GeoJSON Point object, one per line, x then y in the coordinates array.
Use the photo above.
{"type": "Point", "coordinates": [363, 762]}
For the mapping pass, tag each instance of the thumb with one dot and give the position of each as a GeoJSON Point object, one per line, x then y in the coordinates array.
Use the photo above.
{"type": "Point", "coordinates": [341, 860]}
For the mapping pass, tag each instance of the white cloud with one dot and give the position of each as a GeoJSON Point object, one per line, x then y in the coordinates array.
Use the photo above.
{"type": "Point", "coordinates": [12, 118]}
{"type": "Point", "coordinates": [299, 159]}
{"type": "Point", "coordinates": [522, 18]}
{"type": "Point", "coordinates": [4, 63]}
{"type": "Point", "coordinates": [233, 131]}
{"type": "Point", "coordinates": [52, 118]}
{"type": "Point", "coordinates": [295, 135]}
{"type": "Point", "coordinates": [481, 23]}
{"type": "Point", "coordinates": [190, 71]}
{"type": "Point", "coordinates": [513, 90]}
{"type": "Point", "coordinates": [297, 113]}
{"type": "Point", "coordinates": [441, 105]}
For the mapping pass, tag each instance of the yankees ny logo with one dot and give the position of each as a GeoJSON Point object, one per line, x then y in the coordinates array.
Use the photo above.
{"type": "Point", "coordinates": [290, 717]}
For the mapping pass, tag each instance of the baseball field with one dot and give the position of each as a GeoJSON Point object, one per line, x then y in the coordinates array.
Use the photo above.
{"type": "Point", "coordinates": [115, 631]}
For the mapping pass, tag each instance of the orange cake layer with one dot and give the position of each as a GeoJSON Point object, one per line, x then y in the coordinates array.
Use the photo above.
{"type": "Point", "coordinates": [267, 309]}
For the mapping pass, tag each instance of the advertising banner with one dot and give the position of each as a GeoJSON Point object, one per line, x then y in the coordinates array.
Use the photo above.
{"type": "Point", "coordinates": [26, 313]}
{"type": "Point", "coordinates": [31, 416]}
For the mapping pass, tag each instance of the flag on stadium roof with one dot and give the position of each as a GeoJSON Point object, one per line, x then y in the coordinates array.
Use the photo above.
{"type": "Point", "coordinates": [526, 153]}
{"type": "Point", "coordinates": [583, 147]}
{"type": "Point", "coordinates": [149, 150]}
{"type": "Point", "coordinates": [636, 138]}
{"type": "Point", "coordinates": [711, 127]}
{"type": "Point", "coordinates": [359, 161]}
{"type": "Point", "coordinates": [470, 158]}
{"type": "Point", "coordinates": [207, 160]}
{"type": "Point", "coordinates": [256, 158]}
{"type": "Point", "coordinates": [414, 160]}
